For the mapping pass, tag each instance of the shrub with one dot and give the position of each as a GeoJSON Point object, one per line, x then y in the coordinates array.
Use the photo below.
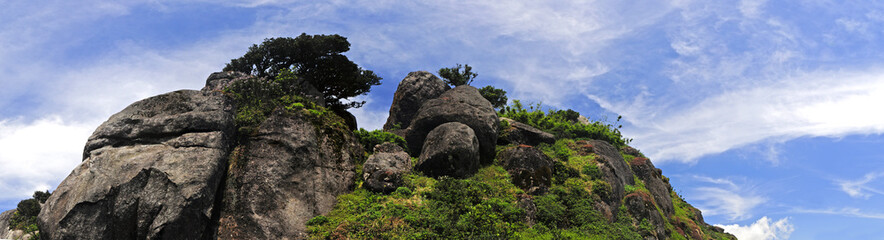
{"type": "Point", "coordinates": [402, 192]}
{"type": "Point", "coordinates": [592, 171]}
{"type": "Point", "coordinates": [318, 220]}
{"type": "Point", "coordinates": [42, 196]}
{"type": "Point", "coordinates": [455, 77]}
{"type": "Point", "coordinates": [316, 59]}
{"type": "Point", "coordinates": [369, 139]}
{"type": "Point", "coordinates": [496, 96]}
{"type": "Point", "coordinates": [563, 123]}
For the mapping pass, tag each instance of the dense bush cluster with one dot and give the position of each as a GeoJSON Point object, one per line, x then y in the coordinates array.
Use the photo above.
{"type": "Point", "coordinates": [369, 139]}
{"type": "Point", "coordinates": [563, 123]}
{"type": "Point", "coordinates": [25, 216]}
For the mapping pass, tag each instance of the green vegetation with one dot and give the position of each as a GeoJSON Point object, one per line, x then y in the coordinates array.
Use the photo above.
{"type": "Point", "coordinates": [25, 216]}
{"type": "Point", "coordinates": [316, 59]}
{"type": "Point", "coordinates": [455, 77]}
{"type": "Point", "coordinates": [369, 139]}
{"type": "Point", "coordinates": [496, 96]}
{"type": "Point", "coordinates": [563, 123]}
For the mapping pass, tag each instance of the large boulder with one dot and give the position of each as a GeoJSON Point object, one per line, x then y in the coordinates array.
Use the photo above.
{"type": "Point", "coordinates": [413, 91]}
{"type": "Point", "coordinates": [451, 149]}
{"type": "Point", "coordinates": [287, 173]}
{"type": "Point", "coordinates": [641, 206]}
{"type": "Point", "coordinates": [150, 171]}
{"type": "Point", "coordinates": [520, 133]}
{"type": "Point", "coordinates": [653, 178]}
{"type": "Point", "coordinates": [462, 104]}
{"type": "Point", "coordinates": [615, 171]}
{"type": "Point", "coordinates": [218, 81]}
{"type": "Point", "coordinates": [531, 169]}
{"type": "Point", "coordinates": [383, 171]}
{"type": "Point", "coordinates": [4, 223]}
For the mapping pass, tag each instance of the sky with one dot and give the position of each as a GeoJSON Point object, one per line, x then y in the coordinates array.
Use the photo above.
{"type": "Point", "coordinates": [764, 114]}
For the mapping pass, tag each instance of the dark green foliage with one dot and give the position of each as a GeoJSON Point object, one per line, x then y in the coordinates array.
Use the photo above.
{"type": "Point", "coordinates": [455, 77]}
{"type": "Point", "coordinates": [318, 220]}
{"type": "Point", "coordinates": [369, 139]}
{"type": "Point", "coordinates": [42, 196]}
{"type": "Point", "coordinates": [592, 171]}
{"type": "Point", "coordinates": [562, 172]}
{"type": "Point", "coordinates": [496, 96]}
{"type": "Point", "coordinates": [25, 216]}
{"type": "Point", "coordinates": [402, 192]}
{"type": "Point", "coordinates": [563, 124]}
{"type": "Point", "coordinates": [317, 59]}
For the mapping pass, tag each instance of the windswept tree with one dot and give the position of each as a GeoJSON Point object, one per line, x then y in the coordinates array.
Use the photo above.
{"type": "Point", "coordinates": [496, 96]}
{"type": "Point", "coordinates": [455, 77]}
{"type": "Point", "coordinates": [316, 59]}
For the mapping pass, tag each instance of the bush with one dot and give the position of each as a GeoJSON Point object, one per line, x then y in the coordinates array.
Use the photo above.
{"type": "Point", "coordinates": [592, 171]}
{"type": "Point", "coordinates": [402, 192]}
{"type": "Point", "coordinates": [563, 123]}
{"type": "Point", "coordinates": [316, 59]}
{"type": "Point", "coordinates": [42, 196]}
{"type": "Point", "coordinates": [496, 96]}
{"type": "Point", "coordinates": [369, 139]}
{"type": "Point", "coordinates": [454, 77]}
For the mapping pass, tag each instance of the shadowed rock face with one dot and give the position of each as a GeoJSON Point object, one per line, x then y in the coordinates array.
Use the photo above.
{"type": "Point", "coordinates": [413, 91]}
{"type": "Point", "coordinates": [640, 206]}
{"type": "Point", "coordinates": [451, 149]}
{"type": "Point", "coordinates": [520, 133]}
{"type": "Point", "coordinates": [383, 171]}
{"type": "Point", "coordinates": [531, 169]}
{"type": "Point", "coordinates": [288, 173]}
{"type": "Point", "coordinates": [614, 170]}
{"type": "Point", "coordinates": [462, 104]}
{"type": "Point", "coordinates": [652, 177]}
{"type": "Point", "coordinates": [150, 171]}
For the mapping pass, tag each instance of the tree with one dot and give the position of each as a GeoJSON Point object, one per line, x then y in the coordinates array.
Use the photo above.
{"type": "Point", "coordinates": [496, 96]}
{"type": "Point", "coordinates": [316, 59]}
{"type": "Point", "coordinates": [42, 196]}
{"type": "Point", "coordinates": [454, 77]}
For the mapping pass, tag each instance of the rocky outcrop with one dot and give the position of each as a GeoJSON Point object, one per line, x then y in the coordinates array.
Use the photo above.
{"type": "Point", "coordinates": [413, 91]}
{"type": "Point", "coordinates": [531, 169]}
{"type": "Point", "coordinates": [462, 104]}
{"type": "Point", "coordinates": [640, 206]}
{"type": "Point", "coordinates": [150, 171]}
{"type": "Point", "coordinates": [615, 170]}
{"type": "Point", "coordinates": [287, 173]}
{"type": "Point", "coordinates": [520, 133]}
{"type": "Point", "coordinates": [653, 179]}
{"type": "Point", "coordinates": [631, 151]}
{"type": "Point", "coordinates": [451, 149]}
{"type": "Point", "coordinates": [218, 81]}
{"type": "Point", "coordinates": [383, 171]}
{"type": "Point", "coordinates": [4, 223]}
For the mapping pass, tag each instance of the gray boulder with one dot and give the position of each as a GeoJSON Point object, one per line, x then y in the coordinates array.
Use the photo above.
{"type": "Point", "coordinates": [520, 133]}
{"type": "Point", "coordinates": [287, 173]}
{"type": "Point", "coordinates": [217, 81]}
{"type": "Point", "coordinates": [653, 178]}
{"type": "Point", "coordinates": [451, 149]}
{"type": "Point", "coordinates": [150, 171]}
{"type": "Point", "coordinates": [531, 169]}
{"type": "Point", "coordinates": [462, 104]}
{"type": "Point", "coordinates": [615, 170]}
{"type": "Point", "coordinates": [641, 206]}
{"type": "Point", "coordinates": [383, 170]}
{"type": "Point", "coordinates": [4, 223]}
{"type": "Point", "coordinates": [413, 91]}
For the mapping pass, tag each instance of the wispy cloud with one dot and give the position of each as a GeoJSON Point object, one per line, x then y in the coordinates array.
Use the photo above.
{"type": "Point", "coordinates": [860, 188]}
{"type": "Point", "coordinates": [724, 197]}
{"type": "Point", "coordinates": [847, 211]}
{"type": "Point", "coordinates": [763, 229]}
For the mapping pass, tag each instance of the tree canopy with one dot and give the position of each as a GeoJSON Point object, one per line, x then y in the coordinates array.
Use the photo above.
{"type": "Point", "coordinates": [496, 96]}
{"type": "Point", "coordinates": [455, 77]}
{"type": "Point", "coordinates": [316, 59]}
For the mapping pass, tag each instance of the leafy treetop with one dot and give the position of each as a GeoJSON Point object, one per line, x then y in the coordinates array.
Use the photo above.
{"type": "Point", "coordinates": [454, 77]}
{"type": "Point", "coordinates": [496, 96]}
{"type": "Point", "coordinates": [316, 59]}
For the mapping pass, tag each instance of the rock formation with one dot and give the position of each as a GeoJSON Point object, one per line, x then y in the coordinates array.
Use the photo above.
{"type": "Point", "coordinates": [150, 171]}
{"type": "Point", "coordinates": [530, 169]}
{"type": "Point", "coordinates": [462, 104]}
{"type": "Point", "coordinates": [615, 171]}
{"type": "Point", "coordinates": [383, 171]}
{"type": "Point", "coordinates": [413, 91]}
{"type": "Point", "coordinates": [520, 133]}
{"type": "Point", "coordinates": [653, 178]}
{"type": "Point", "coordinates": [451, 149]}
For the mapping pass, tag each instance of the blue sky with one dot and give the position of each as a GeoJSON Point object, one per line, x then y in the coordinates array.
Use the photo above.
{"type": "Point", "coordinates": [765, 114]}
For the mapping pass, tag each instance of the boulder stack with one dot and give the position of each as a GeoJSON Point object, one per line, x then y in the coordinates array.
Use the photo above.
{"type": "Point", "coordinates": [413, 91]}
{"type": "Point", "coordinates": [451, 149]}
{"type": "Point", "coordinates": [383, 170]}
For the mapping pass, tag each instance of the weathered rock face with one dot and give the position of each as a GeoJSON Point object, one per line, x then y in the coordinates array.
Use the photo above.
{"type": "Point", "coordinates": [462, 104]}
{"type": "Point", "coordinates": [4, 222]}
{"type": "Point", "coordinates": [653, 179]}
{"type": "Point", "coordinates": [383, 170]}
{"type": "Point", "coordinates": [614, 170]}
{"type": "Point", "coordinates": [640, 206]}
{"type": "Point", "coordinates": [520, 133]}
{"type": "Point", "coordinates": [451, 149]}
{"type": "Point", "coordinates": [288, 173]}
{"type": "Point", "coordinates": [219, 80]}
{"type": "Point", "coordinates": [631, 151]}
{"type": "Point", "coordinates": [526, 203]}
{"type": "Point", "coordinates": [413, 91]}
{"type": "Point", "coordinates": [150, 171]}
{"type": "Point", "coordinates": [531, 169]}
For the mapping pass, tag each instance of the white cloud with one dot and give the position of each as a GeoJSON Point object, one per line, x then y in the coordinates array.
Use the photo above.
{"type": "Point", "coordinates": [763, 229]}
{"type": "Point", "coordinates": [847, 211]}
{"type": "Point", "coordinates": [860, 188]}
{"type": "Point", "coordinates": [822, 103]}
{"type": "Point", "coordinates": [38, 155]}
{"type": "Point", "coordinates": [724, 197]}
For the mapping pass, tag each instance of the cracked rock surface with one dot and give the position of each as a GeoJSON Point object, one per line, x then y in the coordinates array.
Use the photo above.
{"type": "Point", "coordinates": [150, 171]}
